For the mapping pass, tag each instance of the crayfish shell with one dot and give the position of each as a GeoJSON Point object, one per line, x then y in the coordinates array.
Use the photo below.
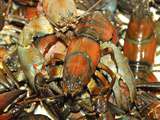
{"type": "Point", "coordinates": [6, 116]}
{"type": "Point", "coordinates": [51, 47]}
{"type": "Point", "coordinates": [37, 27]}
{"type": "Point", "coordinates": [8, 97]}
{"type": "Point", "coordinates": [95, 26]}
{"type": "Point", "coordinates": [80, 62]}
{"type": "Point", "coordinates": [29, 57]}
{"type": "Point", "coordinates": [59, 11]}
{"type": "Point", "coordinates": [30, 12]}
{"type": "Point", "coordinates": [140, 45]}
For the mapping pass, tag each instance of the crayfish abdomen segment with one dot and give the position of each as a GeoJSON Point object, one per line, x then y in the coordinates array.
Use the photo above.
{"type": "Point", "coordinates": [140, 45]}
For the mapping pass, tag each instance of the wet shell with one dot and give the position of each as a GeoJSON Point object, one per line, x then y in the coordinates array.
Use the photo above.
{"type": "Point", "coordinates": [59, 11]}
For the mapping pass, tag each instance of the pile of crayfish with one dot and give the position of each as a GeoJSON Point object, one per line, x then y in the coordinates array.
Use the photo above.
{"type": "Point", "coordinates": [79, 59]}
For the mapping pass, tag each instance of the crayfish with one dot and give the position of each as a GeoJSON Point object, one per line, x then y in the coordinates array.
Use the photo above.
{"type": "Point", "coordinates": [65, 56]}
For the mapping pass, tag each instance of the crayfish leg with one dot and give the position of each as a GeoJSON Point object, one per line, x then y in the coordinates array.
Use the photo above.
{"type": "Point", "coordinates": [111, 52]}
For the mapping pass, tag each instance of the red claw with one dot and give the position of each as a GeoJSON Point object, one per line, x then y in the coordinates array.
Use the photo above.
{"type": "Point", "coordinates": [8, 97]}
{"type": "Point", "coordinates": [6, 116]}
